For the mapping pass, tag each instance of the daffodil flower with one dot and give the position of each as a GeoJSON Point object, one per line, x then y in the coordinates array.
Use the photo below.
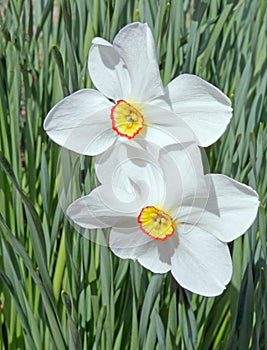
{"type": "Point", "coordinates": [168, 215]}
{"type": "Point", "coordinates": [131, 103]}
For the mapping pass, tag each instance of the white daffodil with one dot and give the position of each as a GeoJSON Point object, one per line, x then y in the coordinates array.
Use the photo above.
{"type": "Point", "coordinates": [169, 216]}
{"type": "Point", "coordinates": [131, 102]}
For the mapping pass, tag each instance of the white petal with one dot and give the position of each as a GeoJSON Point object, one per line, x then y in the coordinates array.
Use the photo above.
{"type": "Point", "coordinates": [152, 254]}
{"type": "Point", "coordinates": [156, 256]}
{"type": "Point", "coordinates": [122, 155]}
{"type": "Point", "coordinates": [163, 127]}
{"type": "Point", "coordinates": [183, 173]}
{"type": "Point", "coordinates": [81, 123]}
{"type": "Point", "coordinates": [108, 71]}
{"type": "Point", "coordinates": [135, 45]}
{"type": "Point", "coordinates": [201, 262]}
{"type": "Point", "coordinates": [231, 208]}
{"type": "Point", "coordinates": [158, 136]}
{"type": "Point", "coordinates": [202, 106]}
{"type": "Point", "coordinates": [100, 41]}
{"type": "Point", "coordinates": [102, 208]}
{"type": "Point", "coordinates": [134, 169]}
{"type": "Point", "coordinates": [159, 176]}
{"type": "Point", "coordinates": [161, 102]}
{"type": "Point", "coordinates": [131, 237]}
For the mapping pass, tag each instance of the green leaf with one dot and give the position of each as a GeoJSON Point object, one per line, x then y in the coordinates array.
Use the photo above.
{"type": "Point", "coordinates": [74, 337]}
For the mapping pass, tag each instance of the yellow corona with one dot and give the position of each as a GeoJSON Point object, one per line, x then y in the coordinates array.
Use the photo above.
{"type": "Point", "coordinates": [127, 120]}
{"type": "Point", "coordinates": [156, 223]}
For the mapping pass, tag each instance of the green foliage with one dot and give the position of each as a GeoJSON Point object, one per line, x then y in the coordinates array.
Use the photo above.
{"type": "Point", "coordinates": [58, 290]}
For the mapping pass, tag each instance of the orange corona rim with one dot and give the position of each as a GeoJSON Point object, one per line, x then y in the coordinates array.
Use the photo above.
{"type": "Point", "coordinates": [156, 223]}
{"type": "Point", "coordinates": [127, 120]}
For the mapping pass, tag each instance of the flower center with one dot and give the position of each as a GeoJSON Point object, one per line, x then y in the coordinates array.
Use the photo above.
{"type": "Point", "coordinates": [127, 120]}
{"type": "Point", "coordinates": [156, 223]}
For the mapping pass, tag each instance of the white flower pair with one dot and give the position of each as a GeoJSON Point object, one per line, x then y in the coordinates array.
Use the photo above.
{"type": "Point", "coordinates": [163, 210]}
